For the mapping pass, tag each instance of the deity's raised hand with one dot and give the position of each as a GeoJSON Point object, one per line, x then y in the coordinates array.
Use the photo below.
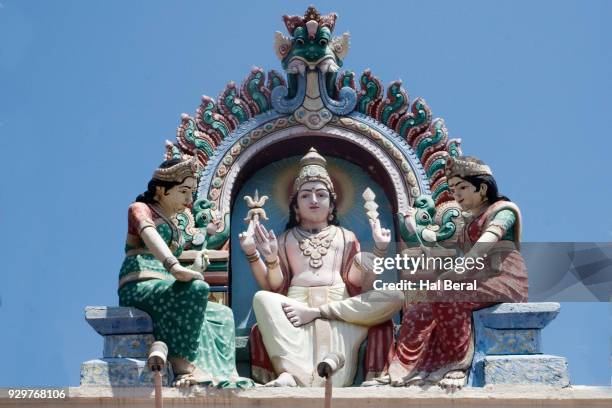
{"type": "Point", "coordinates": [381, 236]}
{"type": "Point", "coordinates": [266, 242]}
{"type": "Point", "coordinates": [247, 242]}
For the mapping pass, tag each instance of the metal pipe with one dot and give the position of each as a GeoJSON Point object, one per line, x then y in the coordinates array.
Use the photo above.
{"type": "Point", "coordinates": [326, 368]}
{"type": "Point", "coordinates": [158, 355]}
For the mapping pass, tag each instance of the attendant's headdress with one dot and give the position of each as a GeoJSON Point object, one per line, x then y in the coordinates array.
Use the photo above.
{"type": "Point", "coordinates": [465, 166]}
{"type": "Point", "coordinates": [178, 172]}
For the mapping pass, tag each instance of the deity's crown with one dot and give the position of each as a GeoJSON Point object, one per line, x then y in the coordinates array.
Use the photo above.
{"type": "Point", "coordinates": [312, 20]}
{"type": "Point", "coordinates": [465, 166]}
{"type": "Point", "coordinates": [178, 172]}
{"type": "Point", "coordinates": [313, 167]}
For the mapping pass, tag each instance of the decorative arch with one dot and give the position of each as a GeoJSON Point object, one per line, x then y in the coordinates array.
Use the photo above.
{"type": "Point", "coordinates": [313, 99]}
{"type": "Point", "coordinates": [406, 174]}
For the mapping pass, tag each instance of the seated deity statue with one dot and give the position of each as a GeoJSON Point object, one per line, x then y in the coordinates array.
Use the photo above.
{"type": "Point", "coordinates": [435, 343]}
{"type": "Point", "coordinates": [199, 334]}
{"type": "Point", "coordinates": [313, 277]}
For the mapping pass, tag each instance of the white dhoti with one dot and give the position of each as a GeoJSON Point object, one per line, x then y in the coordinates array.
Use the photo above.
{"type": "Point", "coordinates": [298, 350]}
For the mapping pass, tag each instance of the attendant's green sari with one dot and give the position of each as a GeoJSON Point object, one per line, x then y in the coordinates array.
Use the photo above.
{"type": "Point", "coordinates": [195, 329]}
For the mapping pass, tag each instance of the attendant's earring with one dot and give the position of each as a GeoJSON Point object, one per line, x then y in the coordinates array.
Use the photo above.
{"type": "Point", "coordinates": [330, 217]}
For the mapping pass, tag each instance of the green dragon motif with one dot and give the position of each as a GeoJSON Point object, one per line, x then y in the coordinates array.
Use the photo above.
{"type": "Point", "coordinates": [439, 134]}
{"type": "Point", "coordinates": [371, 91]}
{"type": "Point", "coordinates": [311, 46]}
{"type": "Point", "coordinates": [398, 101]}
{"type": "Point", "coordinates": [420, 228]}
{"type": "Point", "coordinates": [204, 214]}
{"type": "Point", "coordinates": [454, 147]}
{"type": "Point", "coordinates": [275, 79]}
{"type": "Point", "coordinates": [210, 119]}
{"type": "Point", "coordinates": [346, 79]}
{"type": "Point", "coordinates": [188, 131]}
{"type": "Point", "coordinates": [194, 226]}
{"type": "Point", "coordinates": [233, 106]}
{"type": "Point", "coordinates": [439, 189]}
{"type": "Point", "coordinates": [254, 91]}
{"type": "Point", "coordinates": [418, 118]}
{"type": "Point", "coordinates": [436, 165]}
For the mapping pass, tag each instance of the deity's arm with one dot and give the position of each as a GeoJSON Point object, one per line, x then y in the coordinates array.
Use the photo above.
{"type": "Point", "coordinates": [275, 276]}
{"type": "Point", "coordinates": [502, 221]}
{"type": "Point", "coordinates": [261, 249]}
{"type": "Point", "coordinates": [356, 270]}
{"type": "Point", "coordinates": [268, 275]}
{"type": "Point", "coordinates": [361, 264]}
{"type": "Point", "coordinates": [260, 273]}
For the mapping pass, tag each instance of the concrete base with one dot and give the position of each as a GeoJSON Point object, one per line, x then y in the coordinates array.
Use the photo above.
{"type": "Point", "coordinates": [108, 320]}
{"type": "Point", "coordinates": [380, 397]}
{"type": "Point", "coordinates": [127, 345]}
{"type": "Point", "coordinates": [540, 369]}
{"type": "Point", "coordinates": [119, 372]}
{"type": "Point", "coordinates": [508, 347]}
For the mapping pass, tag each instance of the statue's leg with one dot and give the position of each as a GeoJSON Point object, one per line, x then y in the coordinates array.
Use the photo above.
{"type": "Point", "coordinates": [216, 354]}
{"type": "Point", "coordinates": [283, 380]}
{"type": "Point", "coordinates": [414, 342]}
{"type": "Point", "coordinates": [366, 309]}
{"type": "Point", "coordinates": [290, 348]}
{"type": "Point", "coordinates": [361, 311]}
{"type": "Point", "coordinates": [177, 309]}
{"type": "Point", "coordinates": [452, 348]}
{"type": "Point", "coordinates": [300, 314]}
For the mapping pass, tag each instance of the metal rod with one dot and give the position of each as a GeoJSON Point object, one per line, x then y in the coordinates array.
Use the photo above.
{"type": "Point", "coordinates": [159, 402]}
{"type": "Point", "coordinates": [328, 391]}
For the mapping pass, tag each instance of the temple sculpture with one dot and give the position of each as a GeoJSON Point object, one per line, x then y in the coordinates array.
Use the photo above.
{"type": "Point", "coordinates": [199, 334]}
{"type": "Point", "coordinates": [309, 274]}
{"type": "Point", "coordinates": [435, 343]}
{"type": "Point", "coordinates": [267, 218]}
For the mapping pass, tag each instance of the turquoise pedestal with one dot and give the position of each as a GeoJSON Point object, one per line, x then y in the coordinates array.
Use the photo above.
{"type": "Point", "coordinates": [508, 346]}
{"type": "Point", "coordinates": [128, 335]}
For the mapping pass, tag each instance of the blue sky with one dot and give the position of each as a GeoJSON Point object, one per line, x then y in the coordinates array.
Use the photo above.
{"type": "Point", "coordinates": [89, 91]}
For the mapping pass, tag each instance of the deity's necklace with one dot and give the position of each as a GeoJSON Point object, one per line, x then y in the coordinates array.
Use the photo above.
{"type": "Point", "coordinates": [315, 246]}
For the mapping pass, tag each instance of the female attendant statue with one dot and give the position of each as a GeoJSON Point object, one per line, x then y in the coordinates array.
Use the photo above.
{"type": "Point", "coordinates": [199, 334]}
{"type": "Point", "coordinates": [435, 342]}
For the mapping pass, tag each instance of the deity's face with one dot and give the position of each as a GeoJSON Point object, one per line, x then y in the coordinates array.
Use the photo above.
{"type": "Point", "coordinates": [466, 194]}
{"type": "Point", "coordinates": [313, 202]}
{"type": "Point", "coordinates": [179, 197]}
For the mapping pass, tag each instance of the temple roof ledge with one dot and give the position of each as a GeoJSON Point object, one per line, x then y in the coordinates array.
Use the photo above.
{"type": "Point", "coordinates": [518, 394]}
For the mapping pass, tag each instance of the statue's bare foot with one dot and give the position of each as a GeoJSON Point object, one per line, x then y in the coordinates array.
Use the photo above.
{"type": "Point", "coordinates": [300, 314]}
{"type": "Point", "coordinates": [453, 380]}
{"type": "Point", "coordinates": [412, 379]}
{"type": "Point", "coordinates": [378, 381]}
{"type": "Point", "coordinates": [184, 381]}
{"type": "Point", "coordinates": [283, 380]}
{"type": "Point", "coordinates": [186, 373]}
